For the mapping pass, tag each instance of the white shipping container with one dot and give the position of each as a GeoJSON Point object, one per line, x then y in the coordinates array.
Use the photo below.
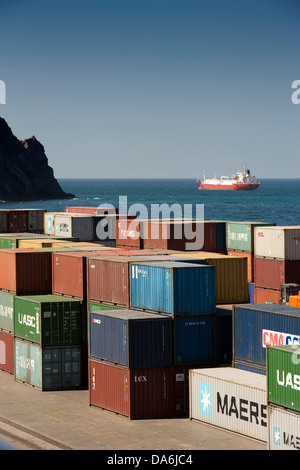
{"type": "Point", "coordinates": [283, 429]}
{"type": "Point", "coordinates": [277, 242]}
{"type": "Point", "coordinates": [229, 398]}
{"type": "Point", "coordinates": [74, 225]}
{"type": "Point", "coordinates": [49, 220]}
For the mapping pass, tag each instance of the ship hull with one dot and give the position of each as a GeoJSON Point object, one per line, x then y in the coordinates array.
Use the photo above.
{"type": "Point", "coordinates": [229, 187]}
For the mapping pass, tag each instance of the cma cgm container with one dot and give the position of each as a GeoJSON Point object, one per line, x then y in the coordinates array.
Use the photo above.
{"type": "Point", "coordinates": [49, 368]}
{"type": "Point", "coordinates": [231, 399]}
{"type": "Point", "coordinates": [7, 352]}
{"type": "Point", "coordinates": [6, 311]}
{"type": "Point", "coordinates": [257, 326]}
{"type": "Point", "coordinates": [230, 275]}
{"type": "Point", "coordinates": [131, 339]}
{"type": "Point", "coordinates": [240, 236]}
{"type": "Point", "coordinates": [283, 429]}
{"type": "Point", "coordinates": [278, 242]}
{"type": "Point", "coordinates": [173, 288]}
{"type": "Point", "coordinates": [49, 320]}
{"type": "Point", "coordinates": [137, 393]}
{"type": "Point", "coordinates": [272, 273]}
{"type": "Point", "coordinates": [283, 376]}
{"type": "Point", "coordinates": [25, 271]}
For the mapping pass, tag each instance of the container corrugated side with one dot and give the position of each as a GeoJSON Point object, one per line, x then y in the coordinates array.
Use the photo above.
{"type": "Point", "coordinates": [278, 242]}
{"type": "Point", "coordinates": [74, 225]}
{"type": "Point", "coordinates": [240, 236]}
{"type": "Point", "coordinates": [283, 376]}
{"type": "Point", "coordinates": [6, 311]}
{"type": "Point", "coordinates": [231, 399]}
{"type": "Point", "coordinates": [263, 296]}
{"type": "Point", "coordinates": [172, 288]}
{"type": "Point", "coordinates": [7, 362]}
{"type": "Point", "coordinates": [250, 262]}
{"type": "Point", "coordinates": [137, 393]}
{"type": "Point", "coordinates": [256, 326]}
{"type": "Point", "coordinates": [48, 368]}
{"type": "Point", "coordinates": [272, 273]}
{"type": "Point", "coordinates": [17, 220]}
{"type": "Point", "coordinates": [283, 429]}
{"type": "Point", "coordinates": [36, 220]}
{"type": "Point", "coordinates": [3, 221]}
{"type": "Point", "coordinates": [130, 338]}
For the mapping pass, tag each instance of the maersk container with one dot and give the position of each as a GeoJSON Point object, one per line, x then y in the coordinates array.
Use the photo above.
{"type": "Point", "coordinates": [7, 352]}
{"type": "Point", "coordinates": [6, 311]}
{"type": "Point", "coordinates": [134, 393]}
{"type": "Point", "coordinates": [240, 235]}
{"type": "Point", "coordinates": [194, 340]}
{"type": "Point", "coordinates": [48, 320]}
{"type": "Point", "coordinates": [131, 339]}
{"type": "Point", "coordinates": [278, 242]}
{"type": "Point", "coordinates": [49, 368]}
{"type": "Point", "coordinates": [257, 326]}
{"type": "Point", "coordinates": [283, 429]}
{"type": "Point", "coordinates": [49, 222]}
{"type": "Point", "coordinates": [173, 288]}
{"type": "Point", "coordinates": [283, 376]}
{"type": "Point", "coordinates": [230, 399]}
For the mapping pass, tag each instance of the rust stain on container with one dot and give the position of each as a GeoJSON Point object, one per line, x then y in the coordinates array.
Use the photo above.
{"type": "Point", "coordinates": [25, 271]}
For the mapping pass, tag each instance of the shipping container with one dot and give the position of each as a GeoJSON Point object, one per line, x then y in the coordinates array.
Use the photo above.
{"type": "Point", "coordinates": [17, 220]}
{"type": "Point", "coordinates": [35, 243]}
{"type": "Point", "coordinates": [137, 393]}
{"type": "Point", "coordinates": [3, 221]}
{"type": "Point", "coordinates": [240, 236]}
{"type": "Point", "coordinates": [294, 300]}
{"type": "Point", "coordinates": [283, 429]}
{"type": "Point", "coordinates": [257, 326]}
{"type": "Point", "coordinates": [36, 220]}
{"type": "Point", "coordinates": [251, 291]}
{"type": "Point", "coordinates": [98, 210]}
{"type": "Point", "coordinates": [278, 242]}
{"type": "Point", "coordinates": [74, 225]}
{"type": "Point", "coordinates": [108, 279]}
{"type": "Point", "coordinates": [266, 296]}
{"type": "Point", "coordinates": [172, 288]}
{"type": "Point", "coordinates": [130, 233]}
{"type": "Point", "coordinates": [250, 367]}
{"type": "Point", "coordinates": [181, 391]}
{"type": "Point", "coordinates": [131, 339]}
{"type": "Point", "coordinates": [49, 368]}
{"type": "Point", "coordinates": [231, 399]}
{"type": "Point", "coordinates": [272, 273]}
{"type": "Point", "coordinates": [194, 340]}
{"type": "Point", "coordinates": [6, 311]}
{"type": "Point", "coordinates": [49, 320]}
{"type": "Point", "coordinates": [230, 275]}
{"type": "Point", "coordinates": [25, 271]}
{"type": "Point", "coordinates": [250, 262]}
{"type": "Point", "coordinates": [7, 352]}
{"type": "Point", "coordinates": [223, 334]}
{"type": "Point", "coordinates": [283, 376]}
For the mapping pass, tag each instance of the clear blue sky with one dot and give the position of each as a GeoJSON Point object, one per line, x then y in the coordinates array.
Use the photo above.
{"type": "Point", "coordinates": [154, 88]}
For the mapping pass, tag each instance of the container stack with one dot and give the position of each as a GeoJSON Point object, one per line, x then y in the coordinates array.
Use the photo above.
{"type": "Point", "coordinates": [22, 220]}
{"type": "Point", "coordinates": [283, 397]}
{"type": "Point", "coordinates": [240, 241]}
{"type": "Point", "coordinates": [277, 263]}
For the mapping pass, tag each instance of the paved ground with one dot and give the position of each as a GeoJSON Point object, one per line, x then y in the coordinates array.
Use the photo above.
{"type": "Point", "coordinates": [31, 419]}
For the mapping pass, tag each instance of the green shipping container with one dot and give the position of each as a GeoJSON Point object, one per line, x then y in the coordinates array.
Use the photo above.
{"type": "Point", "coordinates": [54, 368]}
{"type": "Point", "coordinates": [49, 320]}
{"type": "Point", "coordinates": [7, 311]}
{"type": "Point", "coordinates": [283, 376]}
{"type": "Point", "coordinates": [240, 235]}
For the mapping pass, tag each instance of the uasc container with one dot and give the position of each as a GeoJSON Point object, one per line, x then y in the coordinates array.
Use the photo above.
{"type": "Point", "coordinates": [137, 393]}
{"type": "Point", "coordinates": [25, 271]}
{"type": "Point", "coordinates": [283, 376]}
{"type": "Point", "coordinates": [130, 338]}
{"type": "Point", "coordinates": [48, 320]}
{"type": "Point", "coordinates": [229, 398]}
{"type": "Point", "coordinates": [49, 368]}
{"type": "Point", "coordinates": [173, 288]}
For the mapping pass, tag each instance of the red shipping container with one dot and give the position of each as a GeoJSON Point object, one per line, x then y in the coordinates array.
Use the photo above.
{"type": "Point", "coordinates": [25, 271]}
{"type": "Point", "coordinates": [134, 393]}
{"type": "Point", "coordinates": [128, 233]}
{"type": "Point", "coordinates": [267, 295]}
{"type": "Point", "coordinates": [181, 391]}
{"type": "Point", "coordinates": [250, 262]}
{"type": "Point", "coordinates": [270, 273]}
{"type": "Point", "coordinates": [17, 220]}
{"type": "Point", "coordinates": [7, 361]}
{"type": "Point", "coordinates": [91, 210]}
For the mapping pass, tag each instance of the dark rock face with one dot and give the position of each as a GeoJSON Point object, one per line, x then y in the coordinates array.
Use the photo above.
{"type": "Point", "coordinates": [24, 171]}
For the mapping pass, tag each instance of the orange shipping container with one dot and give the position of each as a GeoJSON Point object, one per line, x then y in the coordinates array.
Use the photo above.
{"type": "Point", "coordinates": [267, 295]}
{"type": "Point", "coordinates": [294, 300]}
{"type": "Point", "coordinates": [25, 271]}
{"type": "Point", "coordinates": [250, 262]}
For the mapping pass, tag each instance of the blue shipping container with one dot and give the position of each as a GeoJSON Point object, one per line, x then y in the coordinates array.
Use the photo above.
{"type": "Point", "coordinates": [173, 288]}
{"type": "Point", "coordinates": [131, 339]}
{"type": "Point", "coordinates": [194, 340]}
{"type": "Point", "coordinates": [256, 326]}
{"type": "Point", "coordinates": [251, 291]}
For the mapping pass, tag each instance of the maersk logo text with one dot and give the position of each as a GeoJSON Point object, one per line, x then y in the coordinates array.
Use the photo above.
{"type": "Point", "coordinates": [276, 436]}
{"type": "Point", "coordinates": [205, 394]}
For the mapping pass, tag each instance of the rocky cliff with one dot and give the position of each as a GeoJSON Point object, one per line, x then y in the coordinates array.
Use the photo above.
{"type": "Point", "coordinates": [24, 171]}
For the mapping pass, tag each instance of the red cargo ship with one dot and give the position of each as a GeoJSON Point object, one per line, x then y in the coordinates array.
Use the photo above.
{"type": "Point", "coordinates": [240, 181]}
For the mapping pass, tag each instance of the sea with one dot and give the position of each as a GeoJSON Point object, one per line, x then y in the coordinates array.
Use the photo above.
{"type": "Point", "coordinates": [276, 200]}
